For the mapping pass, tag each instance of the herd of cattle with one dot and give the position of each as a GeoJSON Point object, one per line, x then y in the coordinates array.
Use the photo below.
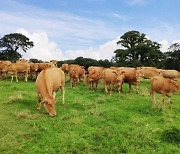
{"type": "Point", "coordinates": [50, 78]}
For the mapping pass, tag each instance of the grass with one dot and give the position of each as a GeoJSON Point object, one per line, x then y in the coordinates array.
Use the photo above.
{"type": "Point", "coordinates": [89, 122]}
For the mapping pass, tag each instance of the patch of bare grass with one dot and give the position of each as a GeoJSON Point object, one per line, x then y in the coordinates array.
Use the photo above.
{"type": "Point", "coordinates": [26, 114]}
{"type": "Point", "coordinates": [15, 97]}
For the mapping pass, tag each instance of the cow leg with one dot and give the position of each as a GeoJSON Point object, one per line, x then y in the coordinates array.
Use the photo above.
{"type": "Point", "coordinates": [111, 88]}
{"type": "Point", "coordinates": [121, 87]}
{"type": "Point", "coordinates": [163, 100]}
{"type": "Point", "coordinates": [71, 82]}
{"type": "Point", "coordinates": [170, 101]}
{"type": "Point", "coordinates": [96, 84]}
{"type": "Point", "coordinates": [12, 78]}
{"type": "Point", "coordinates": [39, 102]}
{"type": "Point", "coordinates": [105, 87]}
{"type": "Point", "coordinates": [26, 76]}
{"type": "Point", "coordinates": [137, 91]}
{"type": "Point", "coordinates": [54, 94]}
{"type": "Point", "coordinates": [92, 87]}
{"type": "Point", "coordinates": [129, 88]}
{"type": "Point", "coordinates": [16, 75]}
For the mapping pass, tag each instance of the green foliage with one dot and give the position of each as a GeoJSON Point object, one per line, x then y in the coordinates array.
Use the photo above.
{"type": "Point", "coordinates": [11, 43]}
{"type": "Point", "coordinates": [10, 55]}
{"type": "Point", "coordinates": [33, 60]}
{"type": "Point", "coordinates": [138, 51]}
{"type": "Point", "coordinates": [173, 57]}
{"type": "Point", "coordinates": [86, 62]}
{"type": "Point", "coordinates": [89, 122]}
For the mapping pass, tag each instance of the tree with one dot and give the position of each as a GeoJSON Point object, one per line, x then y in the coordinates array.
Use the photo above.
{"type": "Point", "coordinates": [173, 57]}
{"type": "Point", "coordinates": [11, 43]}
{"type": "Point", "coordinates": [137, 50]}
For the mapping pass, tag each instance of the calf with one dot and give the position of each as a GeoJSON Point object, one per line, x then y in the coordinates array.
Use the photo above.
{"type": "Point", "coordinates": [47, 84]}
{"type": "Point", "coordinates": [164, 86]}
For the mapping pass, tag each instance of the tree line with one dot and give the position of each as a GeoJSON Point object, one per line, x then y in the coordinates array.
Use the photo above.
{"type": "Point", "coordinates": [135, 49]}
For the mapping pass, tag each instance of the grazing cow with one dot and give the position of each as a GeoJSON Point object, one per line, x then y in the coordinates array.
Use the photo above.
{"type": "Point", "coordinates": [2, 66]}
{"type": "Point", "coordinates": [65, 68]}
{"type": "Point", "coordinates": [16, 69]}
{"type": "Point", "coordinates": [149, 72]}
{"type": "Point", "coordinates": [172, 74]}
{"type": "Point", "coordinates": [48, 82]}
{"type": "Point", "coordinates": [164, 86]}
{"type": "Point", "coordinates": [111, 77]}
{"type": "Point", "coordinates": [131, 76]}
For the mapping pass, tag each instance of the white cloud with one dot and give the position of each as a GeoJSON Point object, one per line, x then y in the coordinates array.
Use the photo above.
{"type": "Point", "coordinates": [46, 50]}
{"type": "Point", "coordinates": [43, 48]}
{"type": "Point", "coordinates": [164, 45]}
{"type": "Point", "coordinates": [104, 51]}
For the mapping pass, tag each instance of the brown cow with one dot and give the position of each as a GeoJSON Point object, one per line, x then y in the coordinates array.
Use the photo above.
{"type": "Point", "coordinates": [100, 69]}
{"type": "Point", "coordinates": [93, 78]}
{"type": "Point", "coordinates": [172, 74]}
{"type": "Point", "coordinates": [54, 62]}
{"type": "Point", "coordinates": [73, 75]}
{"type": "Point", "coordinates": [164, 86]}
{"type": "Point", "coordinates": [34, 69]}
{"type": "Point", "coordinates": [111, 77]}
{"type": "Point", "coordinates": [131, 76]}
{"type": "Point", "coordinates": [43, 66]}
{"type": "Point", "coordinates": [65, 68]}
{"type": "Point", "coordinates": [16, 69]}
{"type": "Point", "coordinates": [47, 84]}
{"type": "Point", "coordinates": [2, 66]}
{"type": "Point", "coordinates": [149, 72]}
{"type": "Point", "coordinates": [82, 72]}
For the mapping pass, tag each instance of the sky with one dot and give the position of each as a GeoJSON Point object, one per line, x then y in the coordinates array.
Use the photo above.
{"type": "Point", "coordinates": [67, 29]}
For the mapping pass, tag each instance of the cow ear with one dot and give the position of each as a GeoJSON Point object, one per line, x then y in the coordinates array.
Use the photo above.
{"type": "Point", "coordinates": [114, 72]}
{"type": "Point", "coordinates": [46, 101]}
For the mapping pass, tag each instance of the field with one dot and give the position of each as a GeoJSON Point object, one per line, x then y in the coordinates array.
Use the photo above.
{"type": "Point", "coordinates": [89, 122]}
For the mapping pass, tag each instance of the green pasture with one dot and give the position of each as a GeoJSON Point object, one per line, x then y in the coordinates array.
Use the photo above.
{"type": "Point", "coordinates": [89, 122]}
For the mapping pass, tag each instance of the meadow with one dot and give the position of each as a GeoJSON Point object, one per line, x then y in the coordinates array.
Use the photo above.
{"type": "Point", "coordinates": [89, 122]}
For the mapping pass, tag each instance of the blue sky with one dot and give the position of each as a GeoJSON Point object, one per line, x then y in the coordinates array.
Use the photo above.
{"type": "Point", "coordinates": [66, 29]}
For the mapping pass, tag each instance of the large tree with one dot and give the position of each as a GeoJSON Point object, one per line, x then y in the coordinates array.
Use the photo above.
{"type": "Point", "coordinates": [173, 57]}
{"type": "Point", "coordinates": [11, 43]}
{"type": "Point", "coordinates": [137, 50]}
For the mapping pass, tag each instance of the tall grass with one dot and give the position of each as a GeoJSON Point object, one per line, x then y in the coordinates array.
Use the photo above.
{"type": "Point", "coordinates": [89, 122]}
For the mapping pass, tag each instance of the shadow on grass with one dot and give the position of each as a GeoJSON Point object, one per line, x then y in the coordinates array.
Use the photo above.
{"type": "Point", "coordinates": [171, 135]}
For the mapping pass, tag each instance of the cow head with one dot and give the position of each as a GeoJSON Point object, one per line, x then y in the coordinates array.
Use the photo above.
{"type": "Point", "coordinates": [4, 71]}
{"type": "Point", "coordinates": [120, 76]}
{"type": "Point", "coordinates": [49, 105]}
